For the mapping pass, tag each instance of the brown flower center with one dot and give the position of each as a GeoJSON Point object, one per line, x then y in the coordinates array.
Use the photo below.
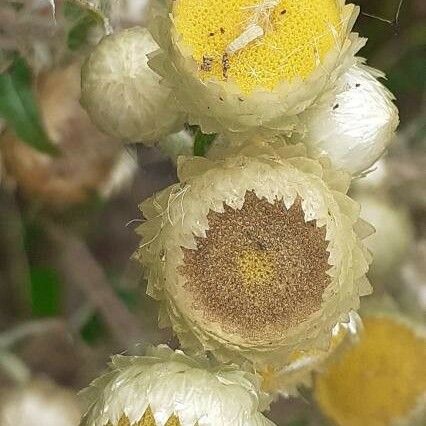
{"type": "Point", "coordinates": [259, 270]}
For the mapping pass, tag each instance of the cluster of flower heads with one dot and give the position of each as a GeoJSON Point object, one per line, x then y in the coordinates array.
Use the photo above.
{"type": "Point", "coordinates": [256, 253]}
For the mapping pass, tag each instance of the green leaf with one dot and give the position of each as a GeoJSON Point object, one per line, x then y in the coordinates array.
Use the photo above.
{"type": "Point", "coordinates": [301, 422]}
{"type": "Point", "coordinates": [45, 291]}
{"type": "Point", "coordinates": [92, 12]}
{"type": "Point", "coordinates": [78, 34]}
{"type": "Point", "coordinates": [82, 20]}
{"type": "Point", "coordinates": [18, 106]}
{"type": "Point", "coordinates": [202, 142]}
{"type": "Point", "coordinates": [93, 330]}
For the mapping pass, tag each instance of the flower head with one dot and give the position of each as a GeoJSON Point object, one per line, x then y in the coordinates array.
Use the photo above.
{"type": "Point", "coordinates": [40, 403]}
{"type": "Point", "coordinates": [354, 123]}
{"type": "Point", "coordinates": [122, 95]}
{"type": "Point", "coordinates": [241, 65]}
{"type": "Point", "coordinates": [169, 388]}
{"type": "Point", "coordinates": [255, 255]}
{"type": "Point", "coordinates": [379, 381]}
{"type": "Point", "coordinates": [87, 157]}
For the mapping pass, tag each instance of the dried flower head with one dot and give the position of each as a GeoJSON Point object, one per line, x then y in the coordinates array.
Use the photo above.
{"type": "Point", "coordinates": [242, 65]}
{"type": "Point", "coordinates": [255, 255]}
{"type": "Point", "coordinates": [354, 123]}
{"type": "Point", "coordinates": [40, 403]}
{"type": "Point", "coordinates": [380, 381]}
{"type": "Point", "coordinates": [122, 95]}
{"type": "Point", "coordinates": [167, 388]}
{"type": "Point", "coordinates": [86, 157]}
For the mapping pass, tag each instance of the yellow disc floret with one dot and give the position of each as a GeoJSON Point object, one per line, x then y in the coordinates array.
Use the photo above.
{"type": "Point", "coordinates": [258, 43]}
{"type": "Point", "coordinates": [255, 266]}
{"type": "Point", "coordinates": [379, 380]}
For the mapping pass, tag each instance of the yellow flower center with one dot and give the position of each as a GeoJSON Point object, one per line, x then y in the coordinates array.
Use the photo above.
{"type": "Point", "coordinates": [255, 266]}
{"type": "Point", "coordinates": [379, 380]}
{"type": "Point", "coordinates": [147, 420]}
{"type": "Point", "coordinates": [258, 43]}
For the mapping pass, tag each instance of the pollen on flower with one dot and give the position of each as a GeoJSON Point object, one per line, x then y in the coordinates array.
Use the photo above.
{"type": "Point", "coordinates": [260, 270]}
{"type": "Point", "coordinates": [265, 42]}
{"type": "Point", "coordinates": [379, 380]}
{"type": "Point", "coordinates": [147, 420]}
{"type": "Point", "coordinates": [255, 266]}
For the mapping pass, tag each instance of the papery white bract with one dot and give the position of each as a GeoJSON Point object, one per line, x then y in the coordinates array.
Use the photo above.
{"type": "Point", "coordinates": [355, 123]}
{"type": "Point", "coordinates": [122, 95]}
{"type": "Point", "coordinates": [170, 385]}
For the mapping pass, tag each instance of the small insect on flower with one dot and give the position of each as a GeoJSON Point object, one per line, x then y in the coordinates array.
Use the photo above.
{"type": "Point", "coordinates": [225, 65]}
{"type": "Point", "coordinates": [167, 388]}
{"type": "Point", "coordinates": [207, 63]}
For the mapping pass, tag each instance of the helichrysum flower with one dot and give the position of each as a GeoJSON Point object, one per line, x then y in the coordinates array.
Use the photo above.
{"type": "Point", "coordinates": [241, 65]}
{"type": "Point", "coordinates": [354, 123]}
{"type": "Point", "coordinates": [381, 381]}
{"type": "Point", "coordinates": [169, 388]}
{"type": "Point", "coordinates": [255, 255]}
{"type": "Point", "coordinates": [40, 403]}
{"type": "Point", "coordinates": [122, 95]}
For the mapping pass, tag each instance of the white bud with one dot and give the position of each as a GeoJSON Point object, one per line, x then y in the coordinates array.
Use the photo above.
{"type": "Point", "coordinates": [355, 123]}
{"type": "Point", "coordinates": [122, 95]}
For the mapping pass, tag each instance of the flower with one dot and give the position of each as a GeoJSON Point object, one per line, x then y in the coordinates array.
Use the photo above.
{"type": "Point", "coordinates": [255, 256]}
{"type": "Point", "coordinates": [381, 381]}
{"type": "Point", "coordinates": [122, 95]}
{"type": "Point", "coordinates": [169, 388]}
{"type": "Point", "coordinates": [39, 403]}
{"type": "Point", "coordinates": [244, 66]}
{"type": "Point", "coordinates": [354, 123]}
{"type": "Point", "coordinates": [86, 159]}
